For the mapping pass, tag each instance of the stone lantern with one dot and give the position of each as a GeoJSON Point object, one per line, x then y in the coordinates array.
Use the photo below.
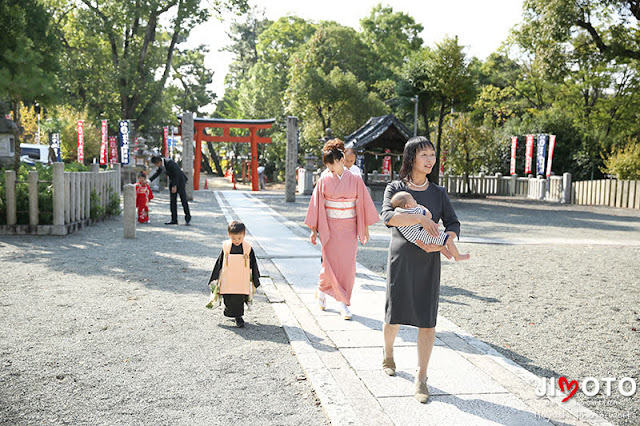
{"type": "Point", "coordinates": [8, 131]}
{"type": "Point", "coordinates": [305, 175]}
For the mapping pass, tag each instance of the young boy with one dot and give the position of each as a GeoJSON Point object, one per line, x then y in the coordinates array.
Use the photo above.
{"type": "Point", "coordinates": [143, 196]}
{"type": "Point", "coordinates": [403, 202]}
{"type": "Point", "coordinates": [237, 270]}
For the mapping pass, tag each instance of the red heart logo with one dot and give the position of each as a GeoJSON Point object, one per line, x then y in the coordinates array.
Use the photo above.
{"type": "Point", "coordinates": [572, 387]}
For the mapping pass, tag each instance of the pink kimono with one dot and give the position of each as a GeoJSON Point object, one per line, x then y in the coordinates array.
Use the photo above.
{"type": "Point", "coordinates": [340, 209]}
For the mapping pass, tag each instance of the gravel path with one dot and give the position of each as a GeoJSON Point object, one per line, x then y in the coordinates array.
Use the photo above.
{"type": "Point", "coordinates": [571, 308]}
{"type": "Point", "coordinates": [101, 330]}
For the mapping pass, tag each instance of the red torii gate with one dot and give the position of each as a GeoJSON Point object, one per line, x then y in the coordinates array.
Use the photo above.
{"type": "Point", "coordinates": [200, 124]}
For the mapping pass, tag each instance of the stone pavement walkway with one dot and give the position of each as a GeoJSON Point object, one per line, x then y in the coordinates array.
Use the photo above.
{"type": "Point", "coordinates": [469, 382]}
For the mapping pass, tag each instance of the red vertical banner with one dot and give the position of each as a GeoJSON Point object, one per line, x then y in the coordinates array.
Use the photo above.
{"type": "Point", "coordinates": [113, 149]}
{"type": "Point", "coordinates": [528, 161]}
{"type": "Point", "coordinates": [514, 146]}
{"type": "Point", "coordinates": [552, 145]}
{"type": "Point", "coordinates": [80, 141]}
{"type": "Point", "coordinates": [386, 163]}
{"type": "Point", "coordinates": [165, 141]}
{"type": "Point", "coordinates": [103, 143]}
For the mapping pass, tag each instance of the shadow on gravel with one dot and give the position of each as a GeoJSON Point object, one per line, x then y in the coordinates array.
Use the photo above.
{"type": "Point", "coordinates": [520, 212]}
{"type": "Point", "coordinates": [176, 259]}
{"type": "Point", "coordinates": [446, 290]}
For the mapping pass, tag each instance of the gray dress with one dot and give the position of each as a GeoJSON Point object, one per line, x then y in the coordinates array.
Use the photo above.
{"type": "Point", "coordinates": [413, 275]}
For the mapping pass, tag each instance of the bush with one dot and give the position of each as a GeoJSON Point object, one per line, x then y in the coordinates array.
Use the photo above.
{"type": "Point", "coordinates": [624, 163]}
{"type": "Point", "coordinates": [95, 210]}
{"type": "Point", "coordinates": [113, 206]}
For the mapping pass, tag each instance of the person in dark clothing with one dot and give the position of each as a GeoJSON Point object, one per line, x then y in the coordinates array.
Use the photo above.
{"type": "Point", "coordinates": [237, 270]}
{"type": "Point", "coordinates": [177, 186]}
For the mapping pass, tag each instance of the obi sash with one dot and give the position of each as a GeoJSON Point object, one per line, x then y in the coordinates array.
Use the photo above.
{"type": "Point", "coordinates": [235, 277]}
{"type": "Point", "coordinates": [340, 208]}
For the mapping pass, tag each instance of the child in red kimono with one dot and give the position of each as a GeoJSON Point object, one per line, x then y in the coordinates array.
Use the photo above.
{"type": "Point", "coordinates": [143, 196]}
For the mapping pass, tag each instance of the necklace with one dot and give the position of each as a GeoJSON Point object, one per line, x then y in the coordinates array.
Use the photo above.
{"type": "Point", "coordinates": [426, 182]}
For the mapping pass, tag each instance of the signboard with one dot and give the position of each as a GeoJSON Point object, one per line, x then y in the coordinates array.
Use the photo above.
{"type": "Point", "coordinates": [54, 140]}
{"type": "Point", "coordinates": [113, 149]}
{"type": "Point", "coordinates": [103, 143]}
{"type": "Point", "coordinates": [124, 141]}
{"type": "Point", "coordinates": [552, 145]}
{"type": "Point", "coordinates": [386, 164]}
{"type": "Point", "coordinates": [542, 153]}
{"type": "Point", "coordinates": [80, 141]}
{"type": "Point", "coordinates": [514, 146]}
{"type": "Point", "coordinates": [165, 141]}
{"type": "Point", "coordinates": [528, 160]}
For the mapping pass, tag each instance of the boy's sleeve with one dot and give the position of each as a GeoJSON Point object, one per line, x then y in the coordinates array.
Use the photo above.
{"type": "Point", "coordinates": [216, 269]}
{"type": "Point", "coordinates": [255, 272]}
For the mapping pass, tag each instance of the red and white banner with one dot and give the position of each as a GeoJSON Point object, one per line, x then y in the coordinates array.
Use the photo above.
{"type": "Point", "coordinates": [552, 145]}
{"type": "Point", "coordinates": [386, 163]}
{"type": "Point", "coordinates": [80, 142]}
{"type": "Point", "coordinates": [528, 160]}
{"type": "Point", "coordinates": [113, 149]}
{"type": "Point", "coordinates": [165, 141]}
{"type": "Point", "coordinates": [514, 146]}
{"type": "Point", "coordinates": [103, 143]}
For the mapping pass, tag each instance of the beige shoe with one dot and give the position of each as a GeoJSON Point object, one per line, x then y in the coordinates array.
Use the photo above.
{"type": "Point", "coordinates": [321, 300]}
{"type": "Point", "coordinates": [388, 365]}
{"type": "Point", "coordinates": [344, 311]}
{"type": "Point", "coordinates": [422, 392]}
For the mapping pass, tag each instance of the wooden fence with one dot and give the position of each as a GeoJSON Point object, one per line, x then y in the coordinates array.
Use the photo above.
{"type": "Point", "coordinates": [607, 192]}
{"type": "Point", "coordinates": [71, 199]}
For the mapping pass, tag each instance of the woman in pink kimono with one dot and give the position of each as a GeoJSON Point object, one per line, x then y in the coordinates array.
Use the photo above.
{"type": "Point", "coordinates": [340, 212]}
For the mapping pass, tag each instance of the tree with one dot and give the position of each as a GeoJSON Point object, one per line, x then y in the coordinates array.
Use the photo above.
{"type": "Point", "coordinates": [130, 46]}
{"type": "Point", "coordinates": [392, 36]}
{"type": "Point", "coordinates": [610, 25]}
{"type": "Point", "coordinates": [28, 57]}
{"type": "Point", "coordinates": [448, 78]}
{"type": "Point", "coordinates": [624, 163]}
{"type": "Point", "coordinates": [474, 148]}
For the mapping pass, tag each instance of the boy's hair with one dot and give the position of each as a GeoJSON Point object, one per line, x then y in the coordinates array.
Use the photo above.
{"type": "Point", "coordinates": [236, 227]}
{"type": "Point", "coordinates": [156, 159]}
{"type": "Point", "coordinates": [399, 199]}
{"type": "Point", "coordinates": [142, 174]}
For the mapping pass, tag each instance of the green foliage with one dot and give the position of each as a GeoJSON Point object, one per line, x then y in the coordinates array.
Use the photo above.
{"type": "Point", "coordinates": [624, 163]}
{"type": "Point", "coordinates": [45, 194]}
{"type": "Point", "coordinates": [113, 205]}
{"type": "Point", "coordinates": [470, 149]}
{"type": "Point", "coordinates": [96, 211]}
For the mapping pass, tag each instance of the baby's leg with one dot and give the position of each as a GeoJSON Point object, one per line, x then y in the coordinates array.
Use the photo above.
{"type": "Point", "coordinates": [445, 251]}
{"type": "Point", "coordinates": [450, 245]}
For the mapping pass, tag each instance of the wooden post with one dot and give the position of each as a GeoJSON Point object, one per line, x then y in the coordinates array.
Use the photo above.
{"type": "Point", "coordinates": [197, 162]}
{"type": "Point", "coordinates": [129, 220]}
{"type": "Point", "coordinates": [619, 187]}
{"type": "Point", "coordinates": [255, 185]}
{"type": "Point", "coordinates": [67, 197]}
{"type": "Point", "coordinates": [58, 199]}
{"type": "Point", "coordinates": [87, 194]}
{"type": "Point", "coordinates": [10, 181]}
{"type": "Point", "coordinates": [292, 160]}
{"type": "Point", "coordinates": [187, 151]}
{"type": "Point", "coordinates": [33, 198]}
{"type": "Point", "coordinates": [625, 193]}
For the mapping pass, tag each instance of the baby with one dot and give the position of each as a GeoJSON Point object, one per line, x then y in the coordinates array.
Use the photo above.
{"type": "Point", "coordinates": [403, 202]}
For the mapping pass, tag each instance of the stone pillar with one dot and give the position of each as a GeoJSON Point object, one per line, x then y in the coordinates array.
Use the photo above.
{"type": "Point", "coordinates": [78, 197]}
{"type": "Point", "coordinates": [87, 194]}
{"type": "Point", "coordinates": [81, 196]}
{"type": "Point", "coordinates": [512, 185]}
{"type": "Point", "coordinates": [308, 176]}
{"type": "Point", "coordinates": [129, 216]}
{"type": "Point", "coordinates": [292, 159]}
{"type": "Point", "coordinates": [10, 181]}
{"type": "Point", "coordinates": [33, 199]}
{"type": "Point", "coordinates": [499, 184]}
{"type": "Point", "coordinates": [187, 151]}
{"type": "Point", "coordinates": [58, 199]}
{"type": "Point", "coordinates": [93, 186]}
{"type": "Point", "coordinates": [67, 196]}
{"type": "Point", "coordinates": [118, 169]}
{"type": "Point", "coordinates": [566, 188]}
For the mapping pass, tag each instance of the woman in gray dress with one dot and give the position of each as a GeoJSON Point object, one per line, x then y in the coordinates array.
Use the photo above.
{"type": "Point", "coordinates": [413, 271]}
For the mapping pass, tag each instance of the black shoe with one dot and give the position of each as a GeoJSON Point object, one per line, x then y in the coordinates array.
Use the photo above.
{"type": "Point", "coordinates": [188, 221]}
{"type": "Point", "coordinates": [240, 322]}
{"type": "Point", "coordinates": [171, 223]}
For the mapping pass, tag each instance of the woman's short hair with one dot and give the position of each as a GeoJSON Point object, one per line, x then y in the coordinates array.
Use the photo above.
{"type": "Point", "coordinates": [332, 151]}
{"type": "Point", "coordinates": [411, 149]}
